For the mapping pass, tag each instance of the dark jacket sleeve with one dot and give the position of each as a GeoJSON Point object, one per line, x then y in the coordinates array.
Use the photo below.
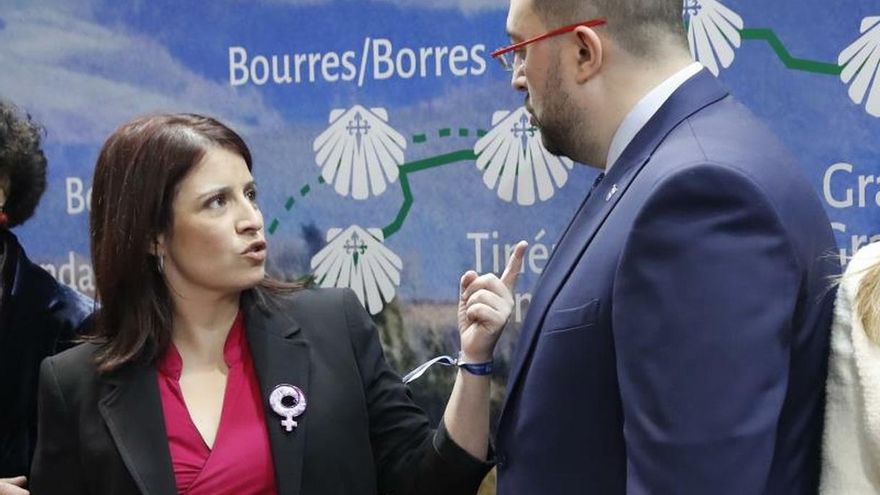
{"type": "Point", "coordinates": [703, 299]}
{"type": "Point", "coordinates": [410, 457]}
{"type": "Point", "coordinates": [55, 468]}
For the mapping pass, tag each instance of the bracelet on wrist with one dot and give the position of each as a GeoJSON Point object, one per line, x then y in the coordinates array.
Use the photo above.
{"type": "Point", "coordinates": [477, 369]}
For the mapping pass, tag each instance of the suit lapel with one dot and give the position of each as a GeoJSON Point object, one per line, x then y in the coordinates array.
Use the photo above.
{"type": "Point", "coordinates": [574, 242]}
{"type": "Point", "coordinates": [132, 409]}
{"type": "Point", "coordinates": [281, 356]}
{"type": "Point", "coordinates": [696, 93]}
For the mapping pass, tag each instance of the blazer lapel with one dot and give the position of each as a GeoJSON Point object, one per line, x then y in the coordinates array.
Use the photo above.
{"type": "Point", "coordinates": [696, 93]}
{"type": "Point", "coordinates": [132, 409]}
{"type": "Point", "coordinates": [281, 356]}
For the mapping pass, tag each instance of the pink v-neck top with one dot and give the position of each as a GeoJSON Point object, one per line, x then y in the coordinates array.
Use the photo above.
{"type": "Point", "coordinates": [241, 460]}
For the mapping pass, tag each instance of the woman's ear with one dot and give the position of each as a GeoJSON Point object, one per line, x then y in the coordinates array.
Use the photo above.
{"type": "Point", "coordinates": [158, 246]}
{"type": "Point", "coordinates": [590, 53]}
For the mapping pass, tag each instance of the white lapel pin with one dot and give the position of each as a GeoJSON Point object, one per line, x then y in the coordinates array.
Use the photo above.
{"type": "Point", "coordinates": [611, 193]}
{"type": "Point", "coordinates": [293, 407]}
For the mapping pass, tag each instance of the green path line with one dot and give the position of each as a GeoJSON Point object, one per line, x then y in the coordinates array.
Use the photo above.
{"type": "Point", "coordinates": [408, 168]}
{"type": "Point", "coordinates": [789, 61]}
{"type": "Point", "coordinates": [404, 170]}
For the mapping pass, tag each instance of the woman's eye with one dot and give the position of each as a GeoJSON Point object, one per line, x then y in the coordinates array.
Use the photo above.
{"type": "Point", "coordinates": [251, 195]}
{"type": "Point", "coordinates": [217, 201]}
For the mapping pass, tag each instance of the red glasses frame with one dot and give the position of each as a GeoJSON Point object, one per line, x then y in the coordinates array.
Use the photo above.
{"type": "Point", "coordinates": [549, 34]}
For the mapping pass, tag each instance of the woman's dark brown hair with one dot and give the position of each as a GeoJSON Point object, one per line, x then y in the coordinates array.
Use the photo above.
{"type": "Point", "coordinates": [137, 175]}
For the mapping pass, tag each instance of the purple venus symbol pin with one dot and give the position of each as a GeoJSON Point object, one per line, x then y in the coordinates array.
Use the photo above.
{"type": "Point", "coordinates": [289, 402]}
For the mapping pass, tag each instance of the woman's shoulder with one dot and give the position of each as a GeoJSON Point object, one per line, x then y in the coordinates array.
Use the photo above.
{"type": "Point", "coordinates": [310, 300]}
{"type": "Point", "coordinates": [80, 357]}
{"type": "Point", "coordinates": [865, 258]}
{"type": "Point", "coordinates": [73, 369]}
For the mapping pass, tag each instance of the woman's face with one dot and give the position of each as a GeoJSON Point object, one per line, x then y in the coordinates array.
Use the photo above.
{"type": "Point", "coordinates": [215, 246]}
{"type": "Point", "coordinates": [4, 188]}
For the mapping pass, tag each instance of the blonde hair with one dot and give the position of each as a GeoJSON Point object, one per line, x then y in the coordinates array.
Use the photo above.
{"type": "Point", "coordinates": [868, 302]}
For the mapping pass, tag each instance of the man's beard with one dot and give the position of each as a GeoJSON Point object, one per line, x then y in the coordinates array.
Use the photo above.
{"type": "Point", "coordinates": [554, 123]}
{"type": "Point", "coordinates": [563, 131]}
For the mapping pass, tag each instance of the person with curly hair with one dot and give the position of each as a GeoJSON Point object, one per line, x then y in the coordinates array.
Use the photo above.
{"type": "Point", "coordinates": [851, 450]}
{"type": "Point", "coordinates": [38, 315]}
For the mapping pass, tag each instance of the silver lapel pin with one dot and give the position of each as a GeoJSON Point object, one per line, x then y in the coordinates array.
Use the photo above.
{"type": "Point", "coordinates": [611, 193]}
{"type": "Point", "coordinates": [295, 407]}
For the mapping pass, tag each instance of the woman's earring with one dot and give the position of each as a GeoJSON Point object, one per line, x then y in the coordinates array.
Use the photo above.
{"type": "Point", "coordinates": [161, 263]}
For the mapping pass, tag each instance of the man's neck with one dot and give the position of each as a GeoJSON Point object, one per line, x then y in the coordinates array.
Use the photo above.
{"type": "Point", "coordinates": [628, 84]}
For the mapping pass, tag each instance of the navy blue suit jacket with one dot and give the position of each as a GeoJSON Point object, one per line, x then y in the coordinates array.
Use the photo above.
{"type": "Point", "coordinates": [677, 339]}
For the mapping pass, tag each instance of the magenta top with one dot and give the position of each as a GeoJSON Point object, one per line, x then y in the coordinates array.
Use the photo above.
{"type": "Point", "coordinates": [241, 459]}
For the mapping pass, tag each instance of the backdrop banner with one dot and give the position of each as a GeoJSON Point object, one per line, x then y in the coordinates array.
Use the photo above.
{"type": "Point", "coordinates": [391, 153]}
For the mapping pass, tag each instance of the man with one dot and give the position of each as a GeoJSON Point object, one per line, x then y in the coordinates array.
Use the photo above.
{"type": "Point", "coordinates": [676, 342]}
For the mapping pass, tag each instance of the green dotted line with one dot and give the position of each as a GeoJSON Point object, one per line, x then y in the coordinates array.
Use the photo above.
{"type": "Point", "coordinates": [447, 132]}
{"type": "Point", "coordinates": [291, 202]}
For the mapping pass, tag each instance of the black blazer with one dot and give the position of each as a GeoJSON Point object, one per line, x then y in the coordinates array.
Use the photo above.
{"type": "Point", "coordinates": [361, 433]}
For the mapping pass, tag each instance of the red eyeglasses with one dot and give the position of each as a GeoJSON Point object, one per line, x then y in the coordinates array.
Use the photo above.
{"type": "Point", "coordinates": [511, 57]}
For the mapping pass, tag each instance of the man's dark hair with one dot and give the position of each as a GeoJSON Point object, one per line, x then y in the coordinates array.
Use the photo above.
{"type": "Point", "coordinates": [637, 25]}
{"type": "Point", "coordinates": [23, 161]}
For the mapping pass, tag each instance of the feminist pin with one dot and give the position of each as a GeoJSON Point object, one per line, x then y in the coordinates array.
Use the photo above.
{"type": "Point", "coordinates": [289, 402]}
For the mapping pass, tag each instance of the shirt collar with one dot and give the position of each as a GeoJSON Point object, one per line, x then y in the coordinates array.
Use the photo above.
{"type": "Point", "coordinates": [645, 109]}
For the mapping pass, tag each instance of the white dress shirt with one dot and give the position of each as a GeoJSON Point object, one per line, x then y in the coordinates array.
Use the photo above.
{"type": "Point", "coordinates": [644, 110]}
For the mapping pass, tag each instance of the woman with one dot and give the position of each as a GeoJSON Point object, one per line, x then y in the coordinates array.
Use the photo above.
{"type": "Point", "coordinates": [851, 453]}
{"type": "Point", "coordinates": [204, 377]}
{"type": "Point", "coordinates": [38, 315]}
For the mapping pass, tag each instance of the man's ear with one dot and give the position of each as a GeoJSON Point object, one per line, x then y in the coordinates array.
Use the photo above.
{"type": "Point", "coordinates": [590, 53]}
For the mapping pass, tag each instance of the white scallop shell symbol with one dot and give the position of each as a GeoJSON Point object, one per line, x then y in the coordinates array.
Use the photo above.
{"type": "Point", "coordinates": [359, 154]}
{"type": "Point", "coordinates": [357, 258]}
{"type": "Point", "coordinates": [713, 33]}
{"type": "Point", "coordinates": [861, 66]}
{"type": "Point", "coordinates": [515, 163]}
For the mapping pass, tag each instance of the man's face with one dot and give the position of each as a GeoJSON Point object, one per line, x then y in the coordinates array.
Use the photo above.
{"type": "Point", "coordinates": [540, 77]}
